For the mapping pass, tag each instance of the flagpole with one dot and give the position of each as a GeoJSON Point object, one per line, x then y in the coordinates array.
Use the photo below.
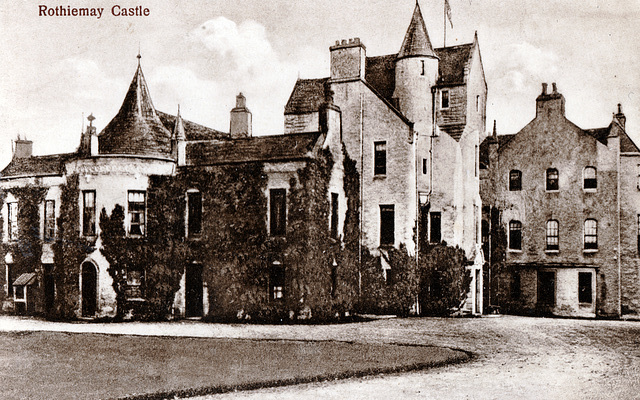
{"type": "Point", "coordinates": [444, 20]}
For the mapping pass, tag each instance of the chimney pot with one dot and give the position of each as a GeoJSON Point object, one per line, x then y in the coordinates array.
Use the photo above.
{"type": "Point", "coordinates": [555, 89]}
{"type": "Point", "coordinates": [544, 88]}
{"type": "Point", "coordinates": [619, 108]}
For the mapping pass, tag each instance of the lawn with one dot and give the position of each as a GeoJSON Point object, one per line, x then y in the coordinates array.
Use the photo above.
{"type": "Point", "coordinates": [48, 365]}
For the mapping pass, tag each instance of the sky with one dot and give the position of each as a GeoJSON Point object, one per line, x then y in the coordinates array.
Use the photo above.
{"type": "Point", "coordinates": [199, 54]}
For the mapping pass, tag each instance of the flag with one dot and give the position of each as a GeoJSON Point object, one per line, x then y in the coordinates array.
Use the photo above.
{"type": "Point", "coordinates": [447, 9]}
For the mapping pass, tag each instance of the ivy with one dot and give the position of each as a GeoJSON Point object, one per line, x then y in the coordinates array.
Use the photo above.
{"type": "Point", "coordinates": [69, 250]}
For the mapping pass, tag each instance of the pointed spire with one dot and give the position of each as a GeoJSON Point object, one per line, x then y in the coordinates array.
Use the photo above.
{"type": "Point", "coordinates": [178, 127]}
{"type": "Point", "coordinates": [137, 128]}
{"type": "Point", "coordinates": [416, 41]}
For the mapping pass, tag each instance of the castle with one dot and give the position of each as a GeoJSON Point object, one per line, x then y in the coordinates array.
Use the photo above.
{"type": "Point", "coordinates": [157, 211]}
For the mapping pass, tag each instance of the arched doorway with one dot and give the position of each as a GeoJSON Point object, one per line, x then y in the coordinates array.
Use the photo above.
{"type": "Point", "coordinates": [89, 289]}
{"type": "Point", "coordinates": [193, 291]}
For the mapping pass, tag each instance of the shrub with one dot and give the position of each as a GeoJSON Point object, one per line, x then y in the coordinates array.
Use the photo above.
{"type": "Point", "coordinates": [444, 279]}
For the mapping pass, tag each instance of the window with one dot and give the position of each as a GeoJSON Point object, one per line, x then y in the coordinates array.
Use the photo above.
{"type": "Point", "coordinates": [334, 215]}
{"type": "Point", "coordinates": [590, 179]}
{"type": "Point", "coordinates": [516, 287]}
{"type": "Point", "coordinates": [136, 212]}
{"type": "Point", "coordinates": [638, 177]}
{"type": "Point", "coordinates": [444, 100]}
{"type": "Point", "coordinates": [552, 179]}
{"type": "Point", "coordinates": [591, 234]}
{"type": "Point", "coordinates": [515, 180]}
{"type": "Point", "coordinates": [194, 213]}
{"type": "Point", "coordinates": [89, 213]}
{"type": "Point", "coordinates": [380, 158]}
{"type": "Point", "coordinates": [424, 166]}
{"type": "Point", "coordinates": [278, 212]}
{"type": "Point", "coordinates": [422, 64]}
{"type": "Point", "coordinates": [276, 281]}
{"type": "Point", "coordinates": [387, 225]}
{"type": "Point", "coordinates": [135, 278]}
{"type": "Point", "coordinates": [585, 293]}
{"type": "Point", "coordinates": [435, 232]}
{"type": "Point", "coordinates": [49, 220]}
{"type": "Point", "coordinates": [639, 234]}
{"type": "Point", "coordinates": [478, 103]}
{"type": "Point", "coordinates": [12, 217]}
{"type": "Point", "coordinates": [515, 235]}
{"type": "Point", "coordinates": [477, 161]}
{"type": "Point", "coordinates": [552, 235]}
{"type": "Point", "coordinates": [9, 276]}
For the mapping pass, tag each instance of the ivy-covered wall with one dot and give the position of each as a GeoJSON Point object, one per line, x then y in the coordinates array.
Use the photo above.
{"type": "Point", "coordinates": [234, 248]}
{"type": "Point", "coordinates": [69, 250]}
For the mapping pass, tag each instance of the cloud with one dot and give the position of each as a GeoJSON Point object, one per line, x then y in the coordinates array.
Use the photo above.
{"type": "Point", "coordinates": [244, 60]}
{"type": "Point", "coordinates": [522, 65]}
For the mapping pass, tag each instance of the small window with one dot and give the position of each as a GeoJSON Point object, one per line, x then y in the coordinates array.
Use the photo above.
{"type": "Point", "coordinates": [590, 178]}
{"type": "Point", "coordinates": [10, 279]}
{"type": "Point", "coordinates": [424, 166]}
{"type": "Point", "coordinates": [515, 180]}
{"type": "Point", "coordinates": [276, 282]}
{"type": "Point", "coordinates": [553, 235]}
{"type": "Point", "coordinates": [638, 184]}
{"type": "Point", "coordinates": [380, 158]}
{"type": "Point", "coordinates": [334, 215]}
{"type": "Point", "coordinates": [49, 220]}
{"type": "Point", "coordinates": [387, 225]}
{"type": "Point", "coordinates": [638, 234]}
{"type": "Point", "coordinates": [19, 292]}
{"type": "Point", "coordinates": [194, 213]}
{"type": "Point", "coordinates": [137, 206]}
{"type": "Point", "coordinates": [478, 103]}
{"type": "Point", "coordinates": [552, 179]}
{"type": "Point", "coordinates": [515, 235]}
{"type": "Point", "coordinates": [444, 101]}
{"type": "Point", "coordinates": [422, 64]}
{"type": "Point", "coordinates": [278, 212]}
{"type": "Point", "coordinates": [89, 213]}
{"type": "Point", "coordinates": [12, 217]}
{"type": "Point", "coordinates": [591, 234]}
{"type": "Point", "coordinates": [585, 292]}
{"type": "Point", "coordinates": [435, 231]}
{"type": "Point", "coordinates": [135, 279]}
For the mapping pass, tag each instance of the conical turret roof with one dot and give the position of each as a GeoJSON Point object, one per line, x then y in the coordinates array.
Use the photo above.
{"type": "Point", "coordinates": [136, 129]}
{"type": "Point", "coordinates": [416, 41]}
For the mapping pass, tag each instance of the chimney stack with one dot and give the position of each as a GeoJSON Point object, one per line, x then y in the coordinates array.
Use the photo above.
{"type": "Point", "coordinates": [550, 104]}
{"type": "Point", "coordinates": [348, 59]}
{"type": "Point", "coordinates": [240, 121]}
{"type": "Point", "coordinates": [620, 116]}
{"type": "Point", "coordinates": [23, 149]}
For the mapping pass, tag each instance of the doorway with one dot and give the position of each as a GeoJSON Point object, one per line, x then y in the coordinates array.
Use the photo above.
{"type": "Point", "coordinates": [89, 289]}
{"type": "Point", "coordinates": [193, 290]}
{"type": "Point", "coordinates": [49, 288]}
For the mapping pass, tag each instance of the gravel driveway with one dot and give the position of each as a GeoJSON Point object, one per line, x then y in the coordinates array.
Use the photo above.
{"type": "Point", "coordinates": [516, 357]}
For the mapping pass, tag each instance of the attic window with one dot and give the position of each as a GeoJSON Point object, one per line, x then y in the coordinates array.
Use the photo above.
{"type": "Point", "coordinates": [444, 99]}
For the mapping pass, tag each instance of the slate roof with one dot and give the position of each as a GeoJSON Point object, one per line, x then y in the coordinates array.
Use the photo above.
{"type": "Point", "coordinates": [28, 278]}
{"type": "Point", "coordinates": [627, 145]}
{"type": "Point", "coordinates": [256, 148]}
{"type": "Point", "coordinates": [416, 41]}
{"type": "Point", "coordinates": [453, 62]}
{"type": "Point", "coordinates": [484, 147]}
{"type": "Point", "coordinates": [307, 96]}
{"type": "Point", "coordinates": [36, 166]}
{"type": "Point", "coordinates": [192, 130]}
{"type": "Point", "coordinates": [380, 72]}
{"type": "Point", "coordinates": [136, 129]}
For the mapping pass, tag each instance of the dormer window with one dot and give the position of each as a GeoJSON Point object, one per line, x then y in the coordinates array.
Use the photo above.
{"type": "Point", "coordinates": [444, 99]}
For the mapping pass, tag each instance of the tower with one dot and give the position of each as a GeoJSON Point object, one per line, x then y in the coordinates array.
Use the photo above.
{"type": "Point", "coordinates": [416, 73]}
